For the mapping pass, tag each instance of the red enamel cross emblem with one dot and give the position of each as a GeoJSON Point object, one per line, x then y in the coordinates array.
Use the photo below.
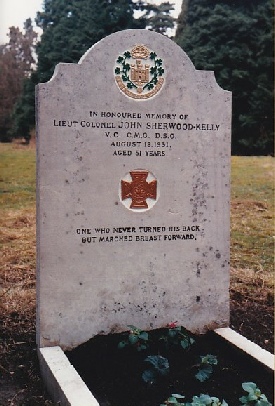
{"type": "Point", "coordinates": [139, 189]}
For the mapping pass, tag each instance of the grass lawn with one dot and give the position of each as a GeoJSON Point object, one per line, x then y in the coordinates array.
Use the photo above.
{"type": "Point", "coordinates": [252, 223]}
{"type": "Point", "coordinates": [252, 238]}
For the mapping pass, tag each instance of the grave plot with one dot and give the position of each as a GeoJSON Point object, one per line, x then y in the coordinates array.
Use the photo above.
{"type": "Point", "coordinates": [133, 198]}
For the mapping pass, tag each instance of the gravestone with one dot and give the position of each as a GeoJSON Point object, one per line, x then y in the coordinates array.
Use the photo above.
{"type": "Point", "coordinates": [133, 192]}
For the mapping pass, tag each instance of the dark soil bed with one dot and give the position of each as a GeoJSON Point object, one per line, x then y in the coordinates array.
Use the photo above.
{"type": "Point", "coordinates": [114, 375]}
{"type": "Point", "coordinates": [253, 320]}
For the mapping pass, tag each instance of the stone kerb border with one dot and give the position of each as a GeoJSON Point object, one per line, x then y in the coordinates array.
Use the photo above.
{"type": "Point", "coordinates": [66, 387]}
{"type": "Point", "coordinates": [62, 381]}
{"type": "Point", "coordinates": [247, 346]}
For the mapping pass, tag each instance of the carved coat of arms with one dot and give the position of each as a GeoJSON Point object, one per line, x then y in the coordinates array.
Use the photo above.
{"type": "Point", "coordinates": [139, 73]}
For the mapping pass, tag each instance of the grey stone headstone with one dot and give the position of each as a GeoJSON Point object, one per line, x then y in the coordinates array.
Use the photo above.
{"type": "Point", "coordinates": [133, 192]}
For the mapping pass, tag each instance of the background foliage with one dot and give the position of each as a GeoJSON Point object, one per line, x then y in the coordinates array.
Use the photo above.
{"type": "Point", "coordinates": [16, 61]}
{"type": "Point", "coordinates": [235, 39]}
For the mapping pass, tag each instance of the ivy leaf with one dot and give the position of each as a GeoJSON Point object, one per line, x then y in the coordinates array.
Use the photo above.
{"type": "Point", "coordinates": [134, 329]}
{"type": "Point", "coordinates": [249, 387]}
{"type": "Point", "coordinates": [173, 401]}
{"type": "Point", "coordinates": [172, 332]}
{"type": "Point", "coordinates": [149, 376]}
{"type": "Point", "coordinates": [122, 344]}
{"type": "Point", "coordinates": [127, 67]}
{"type": "Point", "coordinates": [209, 359]}
{"type": "Point", "coordinates": [251, 397]}
{"type": "Point", "coordinates": [185, 343]}
{"type": "Point", "coordinates": [263, 403]}
{"type": "Point", "coordinates": [177, 396]}
{"type": "Point", "coordinates": [133, 338]}
{"type": "Point", "coordinates": [160, 71]}
{"type": "Point", "coordinates": [158, 62]}
{"type": "Point", "coordinates": [127, 54]}
{"type": "Point", "coordinates": [202, 400]}
{"type": "Point", "coordinates": [124, 78]}
{"type": "Point", "coordinates": [120, 59]}
{"type": "Point", "coordinates": [153, 70]}
{"type": "Point", "coordinates": [204, 373]}
{"type": "Point", "coordinates": [153, 55]}
{"type": "Point", "coordinates": [161, 364]}
{"type": "Point", "coordinates": [143, 335]}
{"type": "Point", "coordinates": [117, 71]}
{"type": "Point", "coordinates": [142, 346]}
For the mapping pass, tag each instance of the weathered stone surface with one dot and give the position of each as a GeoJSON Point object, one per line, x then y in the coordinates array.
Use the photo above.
{"type": "Point", "coordinates": [133, 193]}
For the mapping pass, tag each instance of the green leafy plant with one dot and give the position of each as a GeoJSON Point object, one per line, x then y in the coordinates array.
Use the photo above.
{"type": "Point", "coordinates": [136, 338]}
{"type": "Point", "coordinates": [254, 396]}
{"type": "Point", "coordinates": [124, 69]}
{"type": "Point", "coordinates": [202, 400]}
{"type": "Point", "coordinates": [174, 400]}
{"type": "Point", "coordinates": [159, 366]}
{"type": "Point", "coordinates": [177, 335]}
{"type": "Point", "coordinates": [156, 71]}
{"type": "Point", "coordinates": [206, 367]}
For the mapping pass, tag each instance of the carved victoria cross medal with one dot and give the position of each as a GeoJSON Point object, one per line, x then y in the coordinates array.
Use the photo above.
{"type": "Point", "coordinates": [139, 189]}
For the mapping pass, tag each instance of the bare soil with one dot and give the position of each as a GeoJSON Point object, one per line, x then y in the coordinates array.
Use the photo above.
{"type": "Point", "coordinates": [115, 375]}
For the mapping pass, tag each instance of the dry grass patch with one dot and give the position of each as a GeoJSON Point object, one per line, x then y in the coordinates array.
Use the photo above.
{"type": "Point", "coordinates": [252, 224]}
{"type": "Point", "coordinates": [19, 373]}
{"type": "Point", "coordinates": [246, 283]}
{"type": "Point", "coordinates": [252, 249]}
{"type": "Point", "coordinates": [17, 176]}
{"type": "Point", "coordinates": [17, 271]}
{"type": "Point", "coordinates": [17, 263]}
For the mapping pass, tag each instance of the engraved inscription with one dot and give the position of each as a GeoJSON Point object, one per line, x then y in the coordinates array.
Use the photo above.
{"type": "Point", "coordinates": [138, 134]}
{"type": "Point", "coordinates": [140, 234]}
